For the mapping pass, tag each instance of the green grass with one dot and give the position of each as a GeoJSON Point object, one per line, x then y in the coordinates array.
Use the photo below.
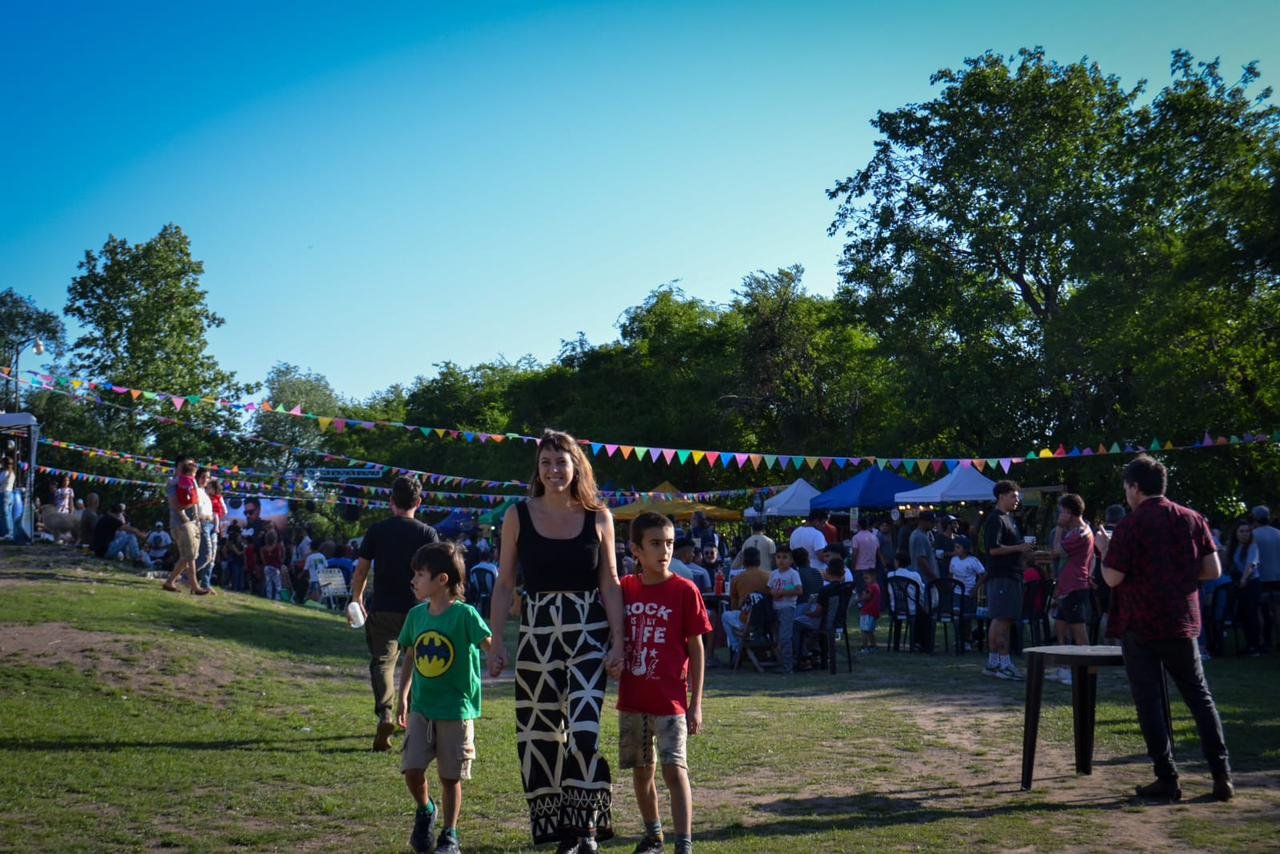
{"type": "Point", "coordinates": [135, 718]}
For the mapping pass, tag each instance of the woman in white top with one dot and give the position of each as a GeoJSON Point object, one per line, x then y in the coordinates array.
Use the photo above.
{"type": "Point", "coordinates": [8, 479]}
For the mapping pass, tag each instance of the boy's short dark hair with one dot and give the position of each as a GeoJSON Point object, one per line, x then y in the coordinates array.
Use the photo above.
{"type": "Point", "coordinates": [835, 549]}
{"type": "Point", "coordinates": [406, 492]}
{"type": "Point", "coordinates": [1072, 503]}
{"type": "Point", "coordinates": [757, 524]}
{"type": "Point", "coordinates": [647, 521]}
{"type": "Point", "coordinates": [1003, 486]}
{"type": "Point", "coordinates": [903, 559]}
{"type": "Point", "coordinates": [684, 543]}
{"type": "Point", "coordinates": [189, 467]}
{"type": "Point", "coordinates": [864, 523]}
{"type": "Point", "coordinates": [835, 567]}
{"type": "Point", "coordinates": [1148, 474]}
{"type": "Point", "coordinates": [443, 558]}
{"type": "Point", "coordinates": [751, 556]}
{"type": "Point", "coordinates": [799, 555]}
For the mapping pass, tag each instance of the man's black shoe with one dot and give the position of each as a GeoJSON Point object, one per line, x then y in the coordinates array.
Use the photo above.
{"type": "Point", "coordinates": [649, 845]}
{"type": "Point", "coordinates": [1222, 788]}
{"type": "Point", "coordinates": [1163, 789]}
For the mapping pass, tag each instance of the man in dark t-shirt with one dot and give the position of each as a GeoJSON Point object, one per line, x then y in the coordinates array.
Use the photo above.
{"type": "Point", "coordinates": [1006, 553]}
{"type": "Point", "coordinates": [388, 547]}
{"type": "Point", "coordinates": [1154, 564]}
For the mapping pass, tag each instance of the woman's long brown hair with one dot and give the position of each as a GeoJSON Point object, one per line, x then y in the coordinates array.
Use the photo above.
{"type": "Point", "coordinates": [583, 486]}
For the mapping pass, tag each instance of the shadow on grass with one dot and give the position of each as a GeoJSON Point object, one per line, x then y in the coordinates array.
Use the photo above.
{"type": "Point", "coordinates": [814, 815]}
{"type": "Point", "coordinates": [77, 744]}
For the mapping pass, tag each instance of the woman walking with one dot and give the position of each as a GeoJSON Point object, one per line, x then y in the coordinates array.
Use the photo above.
{"type": "Point", "coordinates": [571, 632]}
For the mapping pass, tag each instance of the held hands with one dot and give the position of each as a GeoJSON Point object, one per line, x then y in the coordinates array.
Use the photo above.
{"type": "Point", "coordinates": [497, 657]}
{"type": "Point", "coordinates": [613, 660]}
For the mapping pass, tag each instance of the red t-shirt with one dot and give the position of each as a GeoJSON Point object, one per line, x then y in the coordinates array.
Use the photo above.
{"type": "Point", "coordinates": [660, 620]}
{"type": "Point", "coordinates": [871, 604]}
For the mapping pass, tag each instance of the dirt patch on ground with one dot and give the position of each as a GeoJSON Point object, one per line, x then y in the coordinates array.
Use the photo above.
{"type": "Point", "coordinates": [129, 665]}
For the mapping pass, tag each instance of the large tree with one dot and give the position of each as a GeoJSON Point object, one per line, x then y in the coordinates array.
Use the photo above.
{"type": "Point", "coordinates": [23, 323]}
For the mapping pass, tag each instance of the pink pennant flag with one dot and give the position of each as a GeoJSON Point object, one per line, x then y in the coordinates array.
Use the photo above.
{"type": "Point", "coordinates": [741, 459]}
{"type": "Point", "coordinates": [826, 463]}
{"type": "Point", "coordinates": [668, 454]}
{"type": "Point", "coordinates": [610, 450]}
{"type": "Point", "coordinates": [178, 401]}
{"type": "Point", "coordinates": [297, 410]}
{"type": "Point", "coordinates": [936, 465]}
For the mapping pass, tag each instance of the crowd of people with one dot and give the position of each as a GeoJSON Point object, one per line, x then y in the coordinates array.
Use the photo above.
{"type": "Point", "coordinates": [642, 608]}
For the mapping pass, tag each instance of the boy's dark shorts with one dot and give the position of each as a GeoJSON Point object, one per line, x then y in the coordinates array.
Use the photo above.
{"type": "Point", "coordinates": [1071, 607]}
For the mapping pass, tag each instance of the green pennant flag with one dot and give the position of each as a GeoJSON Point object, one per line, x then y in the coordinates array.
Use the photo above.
{"type": "Point", "coordinates": [770, 460]}
{"type": "Point", "coordinates": [1115, 448]}
{"type": "Point", "coordinates": [881, 462]}
{"type": "Point", "coordinates": [640, 452]}
{"type": "Point", "coordinates": [1155, 445]}
{"type": "Point", "coordinates": [682, 455]}
{"type": "Point", "coordinates": [1235, 440]}
{"type": "Point", "coordinates": [993, 461]}
{"type": "Point", "coordinates": [193, 398]}
{"type": "Point", "coordinates": [150, 395]}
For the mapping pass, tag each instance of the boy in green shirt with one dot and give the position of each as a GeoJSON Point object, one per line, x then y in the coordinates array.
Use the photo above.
{"type": "Point", "coordinates": [441, 639]}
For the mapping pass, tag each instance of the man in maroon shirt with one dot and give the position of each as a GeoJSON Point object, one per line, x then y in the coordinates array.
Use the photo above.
{"type": "Point", "coordinates": [1154, 563]}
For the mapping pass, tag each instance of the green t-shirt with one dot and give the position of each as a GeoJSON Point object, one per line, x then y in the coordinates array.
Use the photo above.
{"type": "Point", "coordinates": [446, 661]}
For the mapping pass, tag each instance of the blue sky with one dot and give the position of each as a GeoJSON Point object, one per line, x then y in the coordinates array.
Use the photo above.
{"type": "Point", "coordinates": [487, 179]}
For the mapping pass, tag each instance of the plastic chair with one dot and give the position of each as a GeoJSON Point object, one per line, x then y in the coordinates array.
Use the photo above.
{"type": "Point", "coordinates": [757, 638]}
{"type": "Point", "coordinates": [904, 593]}
{"type": "Point", "coordinates": [480, 581]}
{"type": "Point", "coordinates": [947, 596]}
{"type": "Point", "coordinates": [333, 589]}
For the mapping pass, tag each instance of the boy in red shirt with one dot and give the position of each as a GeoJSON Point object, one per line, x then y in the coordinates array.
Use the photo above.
{"type": "Point", "coordinates": [869, 611]}
{"type": "Point", "coordinates": [660, 680]}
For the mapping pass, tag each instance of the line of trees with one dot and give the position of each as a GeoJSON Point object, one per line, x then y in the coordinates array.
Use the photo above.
{"type": "Point", "coordinates": [1037, 254]}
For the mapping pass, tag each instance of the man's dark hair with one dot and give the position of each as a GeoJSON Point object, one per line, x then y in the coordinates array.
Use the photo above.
{"type": "Point", "coordinates": [903, 559]}
{"type": "Point", "coordinates": [757, 525]}
{"type": "Point", "coordinates": [864, 523]}
{"type": "Point", "coordinates": [751, 556]}
{"type": "Point", "coordinates": [1072, 503]}
{"type": "Point", "coordinates": [647, 521]}
{"type": "Point", "coordinates": [117, 509]}
{"type": "Point", "coordinates": [256, 502]}
{"type": "Point", "coordinates": [1003, 486]}
{"type": "Point", "coordinates": [1148, 474]}
{"type": "Point", "coordinates": [819, 515]}
{"type": "Point", "coordinates": [835, 567]}
{"type": "Point", "coordinates": [406, 492]}
{"type": "Point", "coordinates": [799, 555]}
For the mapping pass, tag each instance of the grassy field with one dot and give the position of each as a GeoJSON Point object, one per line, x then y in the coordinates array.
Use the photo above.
{"type": "Point", "coordinates": [138, 719]}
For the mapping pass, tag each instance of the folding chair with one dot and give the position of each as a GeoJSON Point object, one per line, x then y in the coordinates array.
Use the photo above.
{"type": "Point", "coordinates": [947, 595]}
{"type": "Point", "coordinates": [757, 639]}
{"type": "Point", "coordinates": [333, 589]}
{"type": "Point", "coordinates": [903, 594]}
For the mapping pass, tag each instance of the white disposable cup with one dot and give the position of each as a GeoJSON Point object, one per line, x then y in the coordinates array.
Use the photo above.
{"type": "Point", "coordinates": [1031, 541]}
{"type": "Point", "coordinates": [356, 613]}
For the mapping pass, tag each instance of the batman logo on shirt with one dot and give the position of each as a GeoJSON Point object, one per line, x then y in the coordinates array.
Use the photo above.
{"type": "Point", "coordinates": [432, 654]}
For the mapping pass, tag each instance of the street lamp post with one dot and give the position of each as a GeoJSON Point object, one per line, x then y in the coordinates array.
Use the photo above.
{"type": "Point", "coordinates": [13, 369]}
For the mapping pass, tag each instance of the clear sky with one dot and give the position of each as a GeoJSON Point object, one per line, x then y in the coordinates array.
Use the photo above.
{"type": "Point", "coordinates": [488, 179]}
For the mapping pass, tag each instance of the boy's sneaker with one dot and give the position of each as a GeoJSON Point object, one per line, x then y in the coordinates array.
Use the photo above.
{"type": "Point", "coordinates": [424, 830]}
{"type": "Point", "coordinates": [448, 843]}
{"type": "Point", "coordinates": [649, 845]}
{"type": "Point", "coordinates": [1063, 675]}
{"type": "Point", "coordinates": [1222, 788]}
{"type": "Point", "coordinates": [990, 670]}
{"type": "Point", "coordinates": [684, 846]}
{"type": "Point", "coordinates": [1008, 671]}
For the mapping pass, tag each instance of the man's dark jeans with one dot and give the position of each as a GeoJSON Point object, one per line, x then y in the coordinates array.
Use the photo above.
{"type": "Point", "coordinates": [382, 631]}
{"type": "Point", "coordinates": [1181, 659]}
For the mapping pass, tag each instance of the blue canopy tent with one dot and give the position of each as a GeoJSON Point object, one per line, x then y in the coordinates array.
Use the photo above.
{"type": "Point", "coordinates": [874, 489]}
{"type": "Point", "coordinates": [453, 524]}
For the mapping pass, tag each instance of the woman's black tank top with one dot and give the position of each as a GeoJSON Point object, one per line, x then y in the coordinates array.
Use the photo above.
{"type": "Point", "coordinates": [558, 565]}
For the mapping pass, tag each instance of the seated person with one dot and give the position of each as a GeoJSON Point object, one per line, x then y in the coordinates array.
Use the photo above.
{"type": "Point", "coordinates": [835, 550]}
{"type": "Point", "coordinates": [342, 561]}
{"type": "Point", "coordinates": [686, 568]}
{"type": "Point", "coordinates": [904, 570]}
{"type": "Point", "coordinates": [115, 539]}
{"type": "Point", "coordinates": [810, 577]}
{"type": "Point", "coordinates": [809, 619]}
{"type": "Point", "coordinates": [158, 543]}
{"type": "Point", "coordinates": [966, 569]}
{"type": "Point", "coordinates": [752, 579]}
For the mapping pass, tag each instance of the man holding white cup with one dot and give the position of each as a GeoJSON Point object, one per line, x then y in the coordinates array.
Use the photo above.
{"type": "Point", "coordinates": [1006, 549]}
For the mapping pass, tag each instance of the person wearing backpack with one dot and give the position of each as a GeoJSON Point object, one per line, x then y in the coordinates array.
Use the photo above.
{"type": "Point", "coordinates": [752, 579]}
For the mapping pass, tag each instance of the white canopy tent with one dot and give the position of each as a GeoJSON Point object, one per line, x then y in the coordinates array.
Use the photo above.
{"type": "Point", "coordinates": [963, 483]}
{"type": "Point", "coordinates": [792, 501]}
{"type": "Point", "coordinates": [17, 428]}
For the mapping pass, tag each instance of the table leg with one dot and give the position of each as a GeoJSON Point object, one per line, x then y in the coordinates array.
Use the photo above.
{"type": "Point", "coordinates": [1084, 700]}
{"type": "Point", "coordinates": [1031, 721]}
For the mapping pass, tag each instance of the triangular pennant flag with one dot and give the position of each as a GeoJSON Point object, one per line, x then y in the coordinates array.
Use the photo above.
{"type": "Point", "coordinates": [697, 456]}
{"type": "Point", "coordinates": [1075, 452]}
{"type": "Point", "coordinates": [265, 406]}
{"type": "Point", "coordinates": [895, 464]}
{"type": "Point", "coordinates": [951, 464]}
{"type": "Point", "coordinates": [668, 454]}
{"type": "Point", "coordinates": [784, 461]}
{"type": "Point", "coordinates": [1115, 448]}
{"type": "Point", "coordinates": [741, 459]}
{"type": "Point", "coordinates": [178, 401]}
{"type": "Point", "coordinates": [683, 455]}
{"type": "Point", "coordinates": [324, 423]}
{"type": "Point", "coordinates": [811, 462]}
{"type": "Point", "coordinates": [339, 425]}
{"type": "Point", "coordinates": [712, 458]}
{"type": "Point", "coordinates": [936, 465]}
{"type": "Point", "coordinates": [826, 463]}
{"type": "Point", "coordinates": [979, 464]}
{"type": "Point", "coordinates": [626, 451]}
{"type": "Point", "coordinates": [135, 393]}
{"type": "Point", "coordinates": [1235, 440]}
{"type": "Point", "coordinates": [151, 395]}
{"type": "Point", "coordinates": [596, 448]}
{"type": "Point", "coordinates": [610, 450]}
{"type": "Point", "coordinates": [1061, 452]}
{"type": "Point", "coordinates": [1005, 463]}
{"type": "Point", "coordinates": [1155, 445]}
{"type": "Point", "coordinates": [194, 398]}
{"type": "Point", "coordinates": [1207, 440]}
{"type": "Point", "coordinates": [468, 435]}
{"type": "Point", "coordinates": [497, 438]}
{"type": "Point", "coordinates": [654, 453]}
{"type": "Point", "coordinates": [756, 459]}
{"type": "Point", "coordinates": [726, 457]}
{"type": "Point", "coordinates": [1087, 452]}
{"type": "Point", "coordinates": [841, 462]}
{"type": "Point", "coordinates": [640, 452]}
{"type": "Point", "coordinates": [770, 460]}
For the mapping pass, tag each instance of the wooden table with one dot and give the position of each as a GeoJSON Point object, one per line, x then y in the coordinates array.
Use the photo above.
{"type": "Point", "coordinates": [1084, 662]}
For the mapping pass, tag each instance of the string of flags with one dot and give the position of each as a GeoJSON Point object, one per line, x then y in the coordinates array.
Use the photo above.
{"type": "Point", "coordinates": [234, 476]}
{"type": "Point", "coordinates": [673, 456]}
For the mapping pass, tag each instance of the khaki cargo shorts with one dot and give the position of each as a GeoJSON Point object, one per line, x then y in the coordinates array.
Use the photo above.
{"type": "Point", "coordinates": [451, 744]}
{"type": "Point", "coordinates": [638, 732]}
{"type": "Point", "coordinates": [186, 538]}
